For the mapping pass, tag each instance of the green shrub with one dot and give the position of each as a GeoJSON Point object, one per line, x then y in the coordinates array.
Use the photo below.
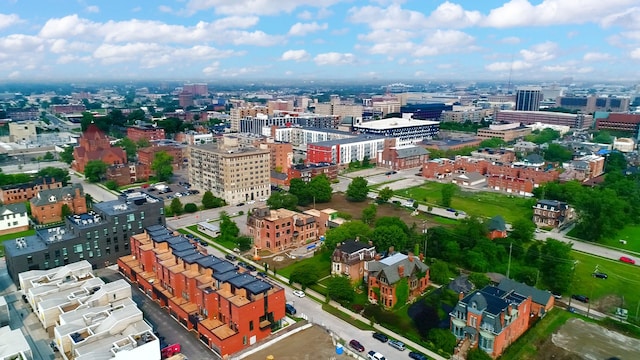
{"type": "Point", "coordinates": [190, 208]}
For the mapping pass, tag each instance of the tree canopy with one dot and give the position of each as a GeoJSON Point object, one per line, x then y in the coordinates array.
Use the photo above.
{"type": "Point", "coordinates": [210, 202]}
{"type": "Point", "coordinates": [358, 189]}
{"type": "Point", "coordinates": [557, 153]}
{"type": "Point", "coordinates": [95, 170]}
{"type": "Point", "coordinates": [347, 231]}
{"type": "Point", "coordinates": [282, 200]}
{"type": "Point", "coordinates": [162, 166]}
{"type": "Point", "coordinates": [59, 174]}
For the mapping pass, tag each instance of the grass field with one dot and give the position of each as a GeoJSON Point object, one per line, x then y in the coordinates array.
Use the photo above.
{"type": "Point", "coordinates": [322, 262]}
{"type": "Point", "coordinates": [606, 294]}
{"type": "Point", "coordinates": [630, 233]}
{"type": "Point", "coordinates": [526, 347]}
{"type": "Point", "coordinates": [3, 238]}
{"type": "Point", "coordinates": [481, 204]}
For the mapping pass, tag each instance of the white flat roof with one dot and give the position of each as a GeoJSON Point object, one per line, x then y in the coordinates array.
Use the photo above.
{"type": "Point", "coordinates": [394, 123]}
{"type": "Point", "coordinates": [13, 343]}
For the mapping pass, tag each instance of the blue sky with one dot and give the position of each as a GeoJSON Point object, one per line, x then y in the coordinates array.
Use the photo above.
{"type": "Point", "coordinates": [418, 40]}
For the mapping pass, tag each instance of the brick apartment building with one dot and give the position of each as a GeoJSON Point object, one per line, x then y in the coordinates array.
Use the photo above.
{"type": "Point", "coordinates": [146, 131]}
{"type": "Point", "coordinates": [619, 122]}
{"type": "Point", "coordinates": [349, 259]}
{"type": "Point", "coordinates": [494, 155]}
{"type": "Point", "coordinates": [493, 318]}
{"type": "Point", "coordinates": [94, 145]}
{"type": "Point", "coordinates": [124, 174]}
{"type": "Point", "coordinates": [147, 155]}
{"type": "Point", "coordinates": [276, 230]}
{"type": "Point", "coordinates": [46, 206]}
{"type": "Point", "coordinates": [552, 213]}
{"type": "Point", "coordinates": [68, 109]}
{"type": "Point", "coordinates": [281, 155]}
{"type": "Point", "coordinates": [400, 158]}
{"type": "Point", "coordinates": [383, 277]}
{"type": "Point", "coordinates": [306, 172]}
{"type": "Point", "coordinates": [227, 307]}
{"type": "Point", "coordinates": [13, 194]}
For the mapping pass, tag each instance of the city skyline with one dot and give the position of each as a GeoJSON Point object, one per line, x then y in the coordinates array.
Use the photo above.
{"type": "Point", "coordinates": [212, 40]}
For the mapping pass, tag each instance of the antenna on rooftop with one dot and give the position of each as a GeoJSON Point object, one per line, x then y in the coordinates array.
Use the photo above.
{"type": "Point", "coordinates": [510, 72]}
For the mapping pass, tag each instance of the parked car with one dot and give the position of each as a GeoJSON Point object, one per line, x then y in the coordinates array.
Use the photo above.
{"type": "Point", "coordinates": [627, 260]}
{"type": "Point", "coordinates": [250, 267]}
{"type": "Point", "coordinates": [355, 345]}
{"type": "Point", "coordinates": [418, 356]}
{"type": "Point", "coordinates": [600, 275]}
{"type": "Point", "coordinates": [380, 337]}
{"type": "Point", "coordinates": [230, 257]}
{"type": "Point", "coordinates": [374, 355]}
{"type": "Point", "coordinates": [556, 295]}
{"type": "Point", "coordinates": [289, 309]}
{"type": "Point", "coordinates": [262, 274]}
{"type": "Point", "coordinates": [251, 202]}
{"type": "Point", "coordinates": [399, 345]}
{"type": "Point", "coordinates": [299, 293]}
{"type": "Point", "coordinates": [240, 204]}
{"type": "Point", "coordinates": [582, 298]}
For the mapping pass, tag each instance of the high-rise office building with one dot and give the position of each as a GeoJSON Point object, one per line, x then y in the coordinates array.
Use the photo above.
{"type": "Point", "coordinates": [528, 98]}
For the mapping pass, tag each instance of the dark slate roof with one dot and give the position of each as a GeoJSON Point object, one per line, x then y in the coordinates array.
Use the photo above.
{"type": "Point", "coordinates": [208, 261]}
{"type": "Point", "coordinates": [258, 287]}
{"type": "Point", "coordinates": [190, 259]}
{"type": "Point", "coordinates": [242, 280]}
{"type": "Point", "coordinates": [223, 266]}
{"type": "Point", "coordinates": [537, 296]}
{"type": "Point", "coordinates": [534, 159]}
{"type": "Point", "coordinates": [18, 208]}
{"type": "Point", "coordinates": [181, 246]}
{"type": "Point", "coordinates": [225, 276]}
{"type": "Point", "coordinates": [58, 194]}
{"type": "Point", "coordinates": [186, 252]}
{"type": "Point", "coordinates": [162, 237]}
{"type": "Point", "coordinates": [411, 151]}
{"type": "Point", "coordinates": [389, 267]}
{"type": "Point", "coordinates": [497, 223]}
{"type": "Point", "coordinates": [351, 246]}
{"type": "Point", "coordinates": [154, 228]}
{"type": "Point", "coordinates": [279, 176]}
{"type": "Point", "coordinates": [553, 204]}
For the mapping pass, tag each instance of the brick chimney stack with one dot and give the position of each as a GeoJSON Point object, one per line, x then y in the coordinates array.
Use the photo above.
{"type": "Point", "coordinates": [401, 270]}
{"type": "Point", "coordinates": [391, 250]}
{"type": "Point", "coordinates": [410, 256]}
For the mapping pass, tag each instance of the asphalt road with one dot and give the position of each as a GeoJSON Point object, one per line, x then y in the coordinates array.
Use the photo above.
{"type": "Point", "coordinates": [185, 220]}
{"type": "Point", "coordinates": [586, 247]}
{"type": "Point", "coordinates": [98, 193]}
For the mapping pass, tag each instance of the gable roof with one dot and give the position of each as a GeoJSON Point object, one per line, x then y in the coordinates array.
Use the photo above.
{"type": "Point", "coordinates": [497, 223]}
{"type": "Point", "coordinates": [351, 246]}
{"type": "Point", "coordinates": [44, 196]}
{"type": "Point", "coordinates": [537, 296]}
{"type": "Point", "coordinates": [534, 159]}
{"type": "Point", "coordinates": [389, 267]}
{"type": "Point", "coordinates": [472, 176]}
{"type": "Point", "coordinates": [18, 208]}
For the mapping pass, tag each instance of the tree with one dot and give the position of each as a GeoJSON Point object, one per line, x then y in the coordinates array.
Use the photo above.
{"type": "Point", "coordinates": [305, 274]}
{"type": "Point", "coordinates": [282, 200]}
{"type": "Point", "coordinates": [171, 125]}
{"type": "Point", "coordinates": [48, 156]}
{"type": "Point", "coordinates": [603, 137]}
{"type": "Point", "coordinates": [244, 243]}
{"type": "Point", "coordinates": [384, 237]}
{"type": "Point", "coordinates": [95, 170]}
{"type": "Point", "coordinates": [369, 214]}
{"type": "Point", "coordinates": [440, 273]}
{"type": "Point", "coordinates": [557, 153]}
{"type": "Point", "coordinates": [111, 185]}
{"type": "Point", "coordinates": [129, 147]}
{"type": "Point", "coordinates": [601, 213]}
{"type": "Point", "coordinates": [393, 221]}
{"type": "Point", "coordinates": [89, 200]}
{"type": "Point", "coordinates": [87, 119]}
{"type": "Point", "coordinates": [176, 206]}
{"type": "Point", "coordinates": [208, 200]}
{"type": "Point", "coordinates": [385, 194]}
{"type": "Point", "coordinates": [615, 163]}
{"type": "Point", "coordinates": [478, 354]}
{"type": "Point", "coordinates": [339, 289]}
{"type": "Point", "coordinates": [358, 189]}
{"type": "Point", "coordinates": [447, 192]}
{"type": "Point", "coordinates": [143, 143]}
{"type": "Point", "coordinates": [301, 190]}
{"type": "Point", "coordinates": [59, 174]}
{"type": "Point", "coordinates": [320, 188]}
{"type": "Point", "coordinates": [492, 143]}
{"type": "Point", "coordinates": [67, 155]}
{"type": "Point", "coordinates": [348, 231]}
{"type": "Point", "coordinates": [557, 265]}
{"type": "Point", "coordinates": [480, 280]}
{"type": "Point", "coordinates": [65, 211]}
{"type": "Point", "coordinates": [443, 339]}
{"type": "Point", "coordinates": [522, 230]}
{"type": "Point", "coordinates": [190, 208]}
{"type": "Point", "coordinates": [228, 228]}
{"type": "Point", "coordinates": [162, 166]}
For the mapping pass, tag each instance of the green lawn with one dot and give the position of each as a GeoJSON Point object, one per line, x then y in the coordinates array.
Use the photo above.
{"type": "Point", "coordinates": [481, 204]}
{"type": "Point", "coordinates": [630, 233]}
{"type": "Point", "coordinates": [227, 244]}
{"type": "Point", "coordinates": [444, 221]}
{"type": "Point", "coordinates": [321, 260]}
{"type": "Point", "coordinates": [526, 347]}
{"type": "Point", "coordinates": [623, 281]}
{"type": "Point", "coordinates": [3, 238]}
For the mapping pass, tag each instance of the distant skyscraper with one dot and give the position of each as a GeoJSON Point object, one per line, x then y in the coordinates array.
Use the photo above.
{"type": "Point", "coordinates": [528, 98]}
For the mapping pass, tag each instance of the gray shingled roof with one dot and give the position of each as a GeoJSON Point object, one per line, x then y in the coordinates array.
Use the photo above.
{"type": "Point", "coordinates": [497, 223]}
{"type": "Point", "coordinates": [14, 208]}
{"type": "Point", "coordinates": [44, 195]}
{"type": "Point", "coordinates": [390, 270]}
{"type": "Point", "coordinates": [537, 296]}
{"type": "Point", "coordinates": [411, 151]}
{"type": "Point", "coordinates": [472, 176]}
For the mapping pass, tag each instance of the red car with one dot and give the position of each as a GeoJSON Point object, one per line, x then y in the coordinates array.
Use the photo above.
{"type": "Point", "coordinates": [627, 260]}
{"type": "Point", "coordinates": [355, 345]}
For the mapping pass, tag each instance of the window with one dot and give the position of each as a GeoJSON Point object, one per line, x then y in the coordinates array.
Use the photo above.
{"type": "Point", "coordinates": [98, 253]}
{"type": "Point", "coordinates": [46, 256]}
{"type": "Point", "coordinates": [108, 250]}
{"type": "Point", "coordinates": [95, 234]}
{"type": "Point", "coordinates": [29, 259]}
{"type": "Point", "coordinates": [95, 244]}
{"type": "Point", "coordinates": [117, 248]}
{"type": "Point", "coordinates": [115, 221]}
{"type": "Point", "coordinates": [141, 215]}
{"type": "Point", "coordinates": [77, 249]}
{"type": "Point", "coordinates": [88, 234]}
{"type": "Point", "coordinates": [131, 217]}
{"type": "Point", "coordinates": [64, 251]}
{"type": "Point", "coordinates": [106, 231]}
{"type": "Point", "coordinates": [57, 253]}
{"type": "Point", "coordinates": [251, 325]}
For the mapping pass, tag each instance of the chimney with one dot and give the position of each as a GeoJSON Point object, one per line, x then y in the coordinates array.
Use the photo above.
{"type": "Point", "coordinates": [377, 257]}
{"type": "Point", "coordinates": [401, 270]}
{"type": "Point", "coordinates": [421, 256]}
{"type": "Point", "coordinates": [370, 243]}
{"type": "Point", "coordinates": [460, 296]}
{"type": "Point", "coordinates": [410, 256]}
{"type": "Point", "coordinates": [391, 250]}
{"type": "Point", "coordinates": [357, 238]}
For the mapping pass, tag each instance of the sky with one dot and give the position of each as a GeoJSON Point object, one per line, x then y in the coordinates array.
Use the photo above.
{"type": "Point", "coordinates": [419, 40]}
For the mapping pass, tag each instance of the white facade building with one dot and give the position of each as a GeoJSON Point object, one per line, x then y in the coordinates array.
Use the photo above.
{"type": "Point", "coordinates": [13, 218]}
{"type": "Point", "coordinates": [406, 130]}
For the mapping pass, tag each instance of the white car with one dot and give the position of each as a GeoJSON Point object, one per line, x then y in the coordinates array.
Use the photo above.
{"type": "Point", "coordinates": [299, 293]}
{"type": "Point", "coordinates": [251, 202]}
{"type": "Point", "coordinates": [263, 199]}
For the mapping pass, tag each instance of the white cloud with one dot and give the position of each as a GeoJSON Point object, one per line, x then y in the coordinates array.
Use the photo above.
{"type": "Point", "coordinates": [136, 9]}
{"type": "Point", "coordinates": [212, 69]}
{"type": "Point", "coordinates": [305, 15]}
{"type": "Point", "coordinates": [596, 56]}
{"type": "Point", "coordinates": [151, 55]}
{"type": "Point", "coordinates": [92, 9]}
{"type": "Point", "coordinates": [334, 58]}
{"type": "Point", "coordinates": [14, 75]}
{"type": "Point", "coordinates": [635, 54]}
{"type": "Point", "coordinates": [302, 29]}
{"type": "Point", "coordinates": [507, 66]}
{"type": "Point", "coordinates": [540, 52]}
{"type": "Point", "coordinates": [165, 9]}
{"type": "Point", "coordinates": [257, 7]}
{"type": "Point", "coordinates": [555, 68]}
{"type": "Point", "coordinates": [511, 40]}
{"type": "Point", "coordinates": [585, 70]}
{"type": "Point", "coordinates": [20, 43]}
{"type": "Point", "coordinates": [629, 18]}
{"type": "Point", "coordinates": [453, 15]}
{"type": "Point", "coordinates": [295, 55]}
{"type": "Point", "coordinates": [549, 12]}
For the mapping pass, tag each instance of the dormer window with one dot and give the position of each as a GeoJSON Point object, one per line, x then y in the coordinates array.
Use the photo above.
{"type": "Point", "coordinates": [52, 198]}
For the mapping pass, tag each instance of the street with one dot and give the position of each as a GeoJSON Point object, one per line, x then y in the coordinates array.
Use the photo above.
{"type": "Point", "coordinates": [98, 193]}
{"type": "Point", "coordinates": [586, 247]}
{"type": "Point", "coordinates": [233, 211]}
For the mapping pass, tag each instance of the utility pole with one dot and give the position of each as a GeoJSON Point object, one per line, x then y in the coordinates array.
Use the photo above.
{"type": "Point", "coordinates": [509, 264]}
